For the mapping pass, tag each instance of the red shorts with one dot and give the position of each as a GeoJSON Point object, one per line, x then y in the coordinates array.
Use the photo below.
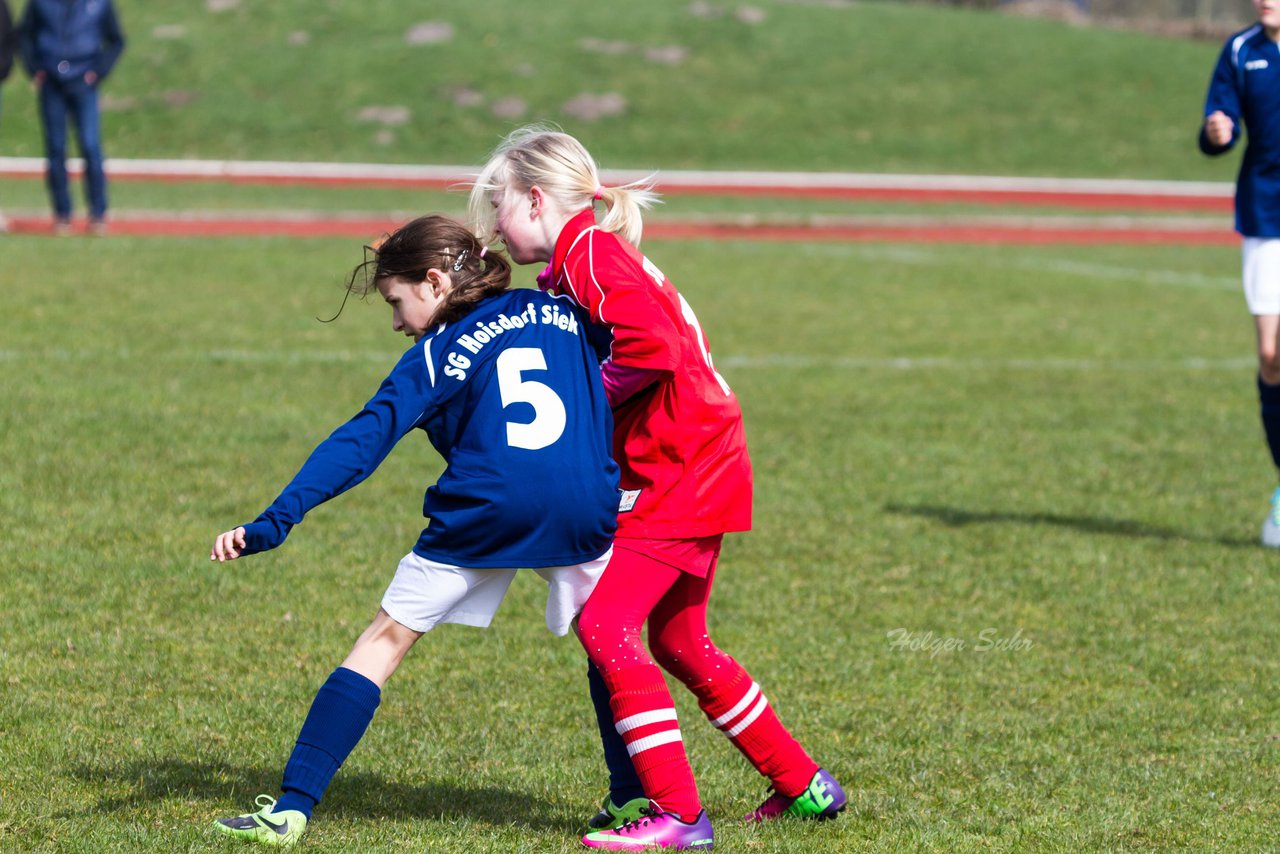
{"type": "Point", "coordinates": [694, 557]}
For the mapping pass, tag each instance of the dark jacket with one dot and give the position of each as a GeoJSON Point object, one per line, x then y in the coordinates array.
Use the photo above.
{"type": "Point", "coordinates": [67, 38]}
{"type": "Point", "coordinates": [8, 40]}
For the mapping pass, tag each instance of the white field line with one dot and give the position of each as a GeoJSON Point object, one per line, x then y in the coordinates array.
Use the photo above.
{"type": "Point", "coordinates": [268, 169]}
{"type": "Point", "coordinates": [945, 363]}
{"type": "Point", "coordinates": [770, 361]}
{"type": "Point", "coordinates": [924, 256]}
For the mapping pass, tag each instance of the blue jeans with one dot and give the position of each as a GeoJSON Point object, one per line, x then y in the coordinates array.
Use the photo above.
{"type": "Point", "coordinates": [79, 100]}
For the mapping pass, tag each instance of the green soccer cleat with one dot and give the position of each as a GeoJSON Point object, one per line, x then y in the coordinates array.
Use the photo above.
{"type": "Point", "coordinates": [281, 829]}
{"type": "Point", "coordinates": [611, 817]}
{"type": "Point", "coordinates": [822, 799]}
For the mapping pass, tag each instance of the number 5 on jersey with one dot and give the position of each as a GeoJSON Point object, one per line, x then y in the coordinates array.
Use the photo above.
{"type": "Point", "coordinates": [548, 410]}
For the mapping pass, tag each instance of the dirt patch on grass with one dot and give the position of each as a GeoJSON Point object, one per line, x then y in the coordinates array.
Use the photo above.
{"type": "Point", "coordinates": [429, 32]}
{"type": "Point", "coordinates": [509, 108]}
{"type": "Point", "coordinates": [392, 116]}
{"type": "Point", "coordinates": [168, 32]}
{"type": "Point", "coordinates": [590, 106]}
{"type": "Point", "coordinates": [604, 46]}
{"type": "Point", "coordinates": [668, 55]}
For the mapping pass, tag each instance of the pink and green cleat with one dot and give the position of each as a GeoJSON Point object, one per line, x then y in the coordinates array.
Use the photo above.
{"type": "Point", "coordinates": [822, 799]}
{"type": "Point", "coordinates": [655, 830]}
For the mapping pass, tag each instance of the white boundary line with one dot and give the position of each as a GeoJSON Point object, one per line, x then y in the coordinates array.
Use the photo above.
{"type": "Point", "coordinates": [771, 361]}
{"type": "Point", "coordinates": [410, 174]}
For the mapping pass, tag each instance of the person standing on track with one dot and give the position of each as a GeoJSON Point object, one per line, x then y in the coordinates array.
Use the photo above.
{"type": "Point", "coordinates": [69, 47]}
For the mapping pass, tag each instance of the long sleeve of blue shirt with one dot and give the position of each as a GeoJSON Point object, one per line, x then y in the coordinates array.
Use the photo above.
{"type": "Point", "coordinates": [350, 454]}
{"type": "Point", "coordinates": [1224, 96]}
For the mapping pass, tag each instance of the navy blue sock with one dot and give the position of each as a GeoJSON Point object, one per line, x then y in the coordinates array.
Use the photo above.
{"type": "Point", "coordinates": [624, 784]}
{"type": "Point", "coordinates": [339, 715]}
{"type": "Point", "coordinates": [1269, 398]}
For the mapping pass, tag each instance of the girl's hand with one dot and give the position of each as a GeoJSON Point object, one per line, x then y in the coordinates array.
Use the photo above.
{"type": "Point", "coordinates": [1218, 127]}
{"type": "Point", "coordinates": [228, 545]}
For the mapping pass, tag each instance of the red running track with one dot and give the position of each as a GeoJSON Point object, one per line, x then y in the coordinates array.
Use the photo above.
{"type": "Point", "coordinates": [368, 228]}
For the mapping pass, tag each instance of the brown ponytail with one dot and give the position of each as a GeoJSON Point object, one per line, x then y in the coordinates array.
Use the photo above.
{"type": "Point", "coordinates": [436, 242]}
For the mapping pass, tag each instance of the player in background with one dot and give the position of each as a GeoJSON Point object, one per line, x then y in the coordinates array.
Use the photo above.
{"type": "Point", "coordinates": [1245, 89]}
{"type": "Point", "coordinates": [686, 481]}
{"type": "Point", "coordinates": [507, 388]}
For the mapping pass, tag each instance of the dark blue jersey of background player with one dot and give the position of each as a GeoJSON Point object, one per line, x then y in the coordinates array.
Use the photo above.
{"type": "Point", "coordinates": [1245, 88]}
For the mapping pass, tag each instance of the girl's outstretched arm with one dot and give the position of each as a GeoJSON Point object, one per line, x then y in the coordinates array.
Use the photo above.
{"type": "Point", "coordinates": [347, 457]}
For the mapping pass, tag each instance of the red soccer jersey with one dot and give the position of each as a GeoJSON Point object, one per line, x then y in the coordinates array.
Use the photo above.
{"type": "Point", "coordinates": [680, 444]}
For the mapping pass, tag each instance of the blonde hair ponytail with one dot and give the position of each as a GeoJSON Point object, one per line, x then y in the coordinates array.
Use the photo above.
{"type": "Point", "coordinates": [544, 156]}
{"type": "Point", "coordinates": [623, 208]}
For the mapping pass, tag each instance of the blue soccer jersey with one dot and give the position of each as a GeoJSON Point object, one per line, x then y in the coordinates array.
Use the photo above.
{"type": "Point", "coordinates": [1246, 86]}
{"type": "Point", "coordinates": [511, 397]}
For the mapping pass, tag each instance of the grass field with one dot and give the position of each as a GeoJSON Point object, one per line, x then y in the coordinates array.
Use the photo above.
{"type": "Point", "coordinates": [1003, 579]}
{"type": "Point", "coordinates": [669, 84]}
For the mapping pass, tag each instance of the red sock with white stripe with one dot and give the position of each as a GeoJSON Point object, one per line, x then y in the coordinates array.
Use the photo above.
{"type": "Point", "coordinates": [645, 717]}
{"type": "Point", "coordinates": [738, 708]}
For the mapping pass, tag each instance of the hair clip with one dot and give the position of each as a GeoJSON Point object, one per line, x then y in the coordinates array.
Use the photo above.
{"type": "Point", "coordinates": [462, 256]}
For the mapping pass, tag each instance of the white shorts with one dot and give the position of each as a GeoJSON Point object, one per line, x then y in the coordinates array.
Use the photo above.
{"type": "Point", "coordinates": [1261, 263]}
{"type": "Point", "coordinates": [425, 593]}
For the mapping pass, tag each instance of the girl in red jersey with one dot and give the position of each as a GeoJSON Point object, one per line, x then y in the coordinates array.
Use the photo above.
{"type": "Point", "coordinates": [685, 482]}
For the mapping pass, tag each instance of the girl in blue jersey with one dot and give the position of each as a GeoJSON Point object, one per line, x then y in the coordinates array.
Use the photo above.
{"type": "Point", "coordinates": [1245, 89]}
{"type": "Point", "coordinates": [507, 388]}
